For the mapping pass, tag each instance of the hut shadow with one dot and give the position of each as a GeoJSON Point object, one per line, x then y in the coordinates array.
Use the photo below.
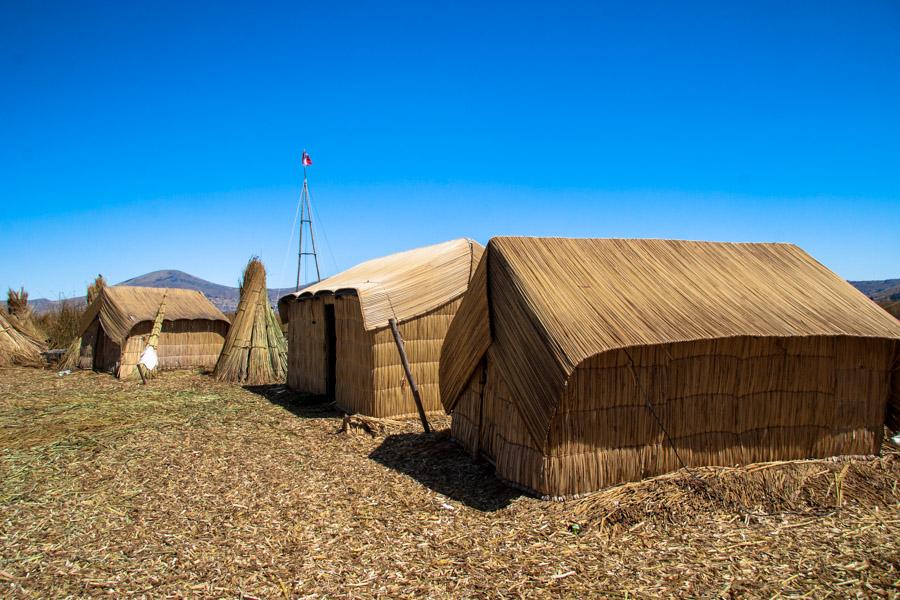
{"type": "Point", "coordinates": [305, 406]}
{"type": "Point", "coordinates": [438, 463]}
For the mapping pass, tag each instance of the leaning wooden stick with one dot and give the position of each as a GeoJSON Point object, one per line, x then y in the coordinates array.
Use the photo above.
{"type": "Point", "coordinates": [409, 375]}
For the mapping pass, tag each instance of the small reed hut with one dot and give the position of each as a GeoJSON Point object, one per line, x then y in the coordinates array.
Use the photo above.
{"type": "Point", "coordinates": [116, 326]}
{"type": "Point", "coordinates": [255, 349]}
{"type": "Point", "coordinates": [17, 345]}
{"type": "Point", "coordinates": [339, 340]}
{"type": "Point", "coordinates": [575, 364]}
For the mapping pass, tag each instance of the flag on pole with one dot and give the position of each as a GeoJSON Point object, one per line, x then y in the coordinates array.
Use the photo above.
{"type": "Point", "coordinates": [306, 160]}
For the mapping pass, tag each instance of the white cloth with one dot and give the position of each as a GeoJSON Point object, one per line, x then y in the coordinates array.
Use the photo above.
{"type": "Point", "coordinates": [149, 358]}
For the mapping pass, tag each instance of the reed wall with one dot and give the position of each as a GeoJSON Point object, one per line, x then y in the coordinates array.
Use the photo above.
{"type": "Point", "coordinates": [422, 339]}
{"type": "Point", "coordinates": [354, 366]}
{"type": "Point", "coordinates": [369, 373]}
{"type": "Point", "coordinates": [88, 345]}
{"type": "Point", "coordinates": [183, 344]}
{"type": "Point", "coordinates": [306, 347]}
{"type": "Point", "coordinates": [98, 351]}
{"type": "Point", "coordinates": [723, 402]}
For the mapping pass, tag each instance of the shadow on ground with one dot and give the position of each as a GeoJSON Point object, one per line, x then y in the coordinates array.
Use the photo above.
{"type": "Point", "coordinates": [441, 465]}
{"type": "Point", "coordinates": [305, 406]}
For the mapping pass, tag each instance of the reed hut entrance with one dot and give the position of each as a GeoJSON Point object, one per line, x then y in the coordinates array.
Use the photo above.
{"type": "Point", "coordinates": [100, 351]}
{"type": "Point", "coordinates": [330, 351]}
{"type": "Point", "coordinates": [340, 342]}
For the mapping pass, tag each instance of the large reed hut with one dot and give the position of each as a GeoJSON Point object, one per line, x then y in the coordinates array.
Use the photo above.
{"type": "Point", "coordinates": [117, 324]}
{"type": "Point", "coordinates": [574, 364]}
{"type": "Point", "coordinates": [339, 340]}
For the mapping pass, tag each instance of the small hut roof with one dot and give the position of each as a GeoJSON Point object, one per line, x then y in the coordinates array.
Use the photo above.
{"type": "Point", "coordinates": [120, 308]}
{"type": "Point", "coordinates": [403, 285]}
{"type": "Point", "coordinates": [543, 305]}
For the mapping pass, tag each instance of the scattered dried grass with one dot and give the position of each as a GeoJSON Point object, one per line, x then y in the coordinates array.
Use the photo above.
{"type": "Point", "coordinates": [188, 487]}
{"type": "Point", "coordinates": [62, 324]}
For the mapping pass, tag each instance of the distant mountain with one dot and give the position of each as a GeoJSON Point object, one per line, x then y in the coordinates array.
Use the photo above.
{"type": "Point", "coordinates": [42, 305]}
{"type": "Point", "coordinates": [886, 290]}
{"type": "Point", "coordinates": [224, 297]}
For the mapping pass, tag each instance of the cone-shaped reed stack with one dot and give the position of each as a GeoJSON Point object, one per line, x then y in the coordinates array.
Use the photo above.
{"type": "Point", "coordinates": [255, 350]}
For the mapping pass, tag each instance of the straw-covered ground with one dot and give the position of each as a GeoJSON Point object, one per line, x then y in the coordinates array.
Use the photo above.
{"type": "Point", "coordinates": [192, 488]}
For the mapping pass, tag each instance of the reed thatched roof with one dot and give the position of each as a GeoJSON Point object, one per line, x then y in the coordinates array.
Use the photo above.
{"type": "Point", "coordinates": [403, 285]}
{"type": "Point", "coordinates": [543, 305]}
{"type": "Point", "coordinates": [120, 308]}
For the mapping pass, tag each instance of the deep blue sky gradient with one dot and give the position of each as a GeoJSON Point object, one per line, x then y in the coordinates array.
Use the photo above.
{"type": "Point", "coordinates": [142, 136]}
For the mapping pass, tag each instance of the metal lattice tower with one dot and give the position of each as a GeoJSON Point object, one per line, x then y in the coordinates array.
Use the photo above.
{"type": "Point", "coordinates": [306, 218]}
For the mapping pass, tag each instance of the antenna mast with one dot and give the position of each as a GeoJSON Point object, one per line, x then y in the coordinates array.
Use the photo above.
{"type": "Point", "coordinates": [306, 217]}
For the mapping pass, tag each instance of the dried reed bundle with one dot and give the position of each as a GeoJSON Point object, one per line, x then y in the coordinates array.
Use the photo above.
{"type": "Point", "coordinates": [93, 289]}
{"type": "Point", "coordinates": [152, 341]}
{"type": "Point", "coordinates": [371, 426]}
{"type": "Point", "coordinates": [69, 358]}
{"type": "Point", "coordinates": [17, 302]}
{"type": "Point", "coordinates": [255, 349]}
{"type": "Point", "coordinates": [17, 347]}
{"type": "Point", "coordinates": [21, 316]}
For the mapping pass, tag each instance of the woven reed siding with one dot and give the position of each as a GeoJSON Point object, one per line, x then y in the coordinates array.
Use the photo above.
{"type": "Point", "coordinates": [724, 402]}
{"type": "Point", "coordinates": [505, 440]}
{"type": "Point", "coordinates": [422, 339]}
{"type": "Point", "coordinates": [131, 351]}
{"type": "Point", "coordinates": [306, 347]}
{"type": "Point", "coordinates": [464, 426]}
{"type": "Point", "coordinates": [191, 344]}
{"type": "Point", "coordinates": [354, 366]}
{"type": "Point", "coordinates": [108, 358]}
{"type": "Point", "coordinates": [183, 344]}
{"type": "Point", "coordinates": [893, 411]}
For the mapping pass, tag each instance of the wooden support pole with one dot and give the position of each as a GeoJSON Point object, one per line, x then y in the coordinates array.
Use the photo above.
{"type": "Point", "coordinates": [409, 375]}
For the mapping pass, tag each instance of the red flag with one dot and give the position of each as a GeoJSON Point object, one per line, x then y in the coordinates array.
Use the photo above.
{"type": "Point", "coordinates": [306, 160]}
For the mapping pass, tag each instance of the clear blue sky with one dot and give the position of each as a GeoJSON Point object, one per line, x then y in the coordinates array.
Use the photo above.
{"type": "Point", "coordinates": [142, 135]}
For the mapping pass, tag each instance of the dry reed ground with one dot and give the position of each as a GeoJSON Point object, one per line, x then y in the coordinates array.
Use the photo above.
{"type": "Point", "coordinates": [193, 488]}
